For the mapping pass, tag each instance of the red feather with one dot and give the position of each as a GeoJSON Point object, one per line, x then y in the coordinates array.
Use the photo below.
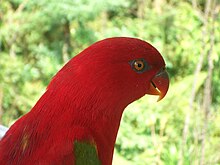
{"type": "Point", "coordinates": [84, 101]}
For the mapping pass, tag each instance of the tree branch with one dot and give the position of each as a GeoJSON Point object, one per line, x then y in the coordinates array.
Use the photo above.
{"type": "Point", "coordinates": [205, 33]}
{"type": "Point", "coordinates": [207, 100]}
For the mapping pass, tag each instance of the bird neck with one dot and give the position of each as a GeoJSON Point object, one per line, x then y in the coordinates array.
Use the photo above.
{"type": "Point", "coordinates": [100, 114]}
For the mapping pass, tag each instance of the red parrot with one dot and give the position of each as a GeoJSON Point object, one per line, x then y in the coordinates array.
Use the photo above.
{"type": "Point", "coordinates": [76, 120]}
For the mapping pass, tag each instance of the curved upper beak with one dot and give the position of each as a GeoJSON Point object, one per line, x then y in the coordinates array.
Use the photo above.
{"type": "Point", "coordinates": [159, 84]}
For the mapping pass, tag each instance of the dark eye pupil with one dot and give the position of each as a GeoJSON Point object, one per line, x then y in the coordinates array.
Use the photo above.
{"type": "Point", "coordinates": [139, 65]}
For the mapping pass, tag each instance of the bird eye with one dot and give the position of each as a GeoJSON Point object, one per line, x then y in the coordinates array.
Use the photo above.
{"type": "Point", "coordinates": [139, 65]}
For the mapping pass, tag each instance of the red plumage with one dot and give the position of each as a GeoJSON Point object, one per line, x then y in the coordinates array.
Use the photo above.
{"type": "Point", "coordinates": [85, 101]}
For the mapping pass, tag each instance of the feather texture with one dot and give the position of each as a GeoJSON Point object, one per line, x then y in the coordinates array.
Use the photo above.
{"type": "Point", "coordinates": [84, 102]}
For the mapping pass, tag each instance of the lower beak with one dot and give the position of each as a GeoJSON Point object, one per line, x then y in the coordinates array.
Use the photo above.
{"type": "Point", "coordinates": [159, 84]}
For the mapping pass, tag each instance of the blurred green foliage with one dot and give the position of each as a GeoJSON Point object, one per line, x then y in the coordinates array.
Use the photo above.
{"type": "Point", "coordinates": [38, 36]}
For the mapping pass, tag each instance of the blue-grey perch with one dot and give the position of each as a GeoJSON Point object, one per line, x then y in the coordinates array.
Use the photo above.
{"type": "Point", "coordinates": [3, 130]}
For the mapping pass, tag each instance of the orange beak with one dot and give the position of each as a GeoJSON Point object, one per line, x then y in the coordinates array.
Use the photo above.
{"type": "Point", "coordinates": [159, 84]}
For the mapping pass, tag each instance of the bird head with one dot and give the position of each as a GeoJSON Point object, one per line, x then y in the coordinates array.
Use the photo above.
{"type": "Point", "coordinates": [120, 69]}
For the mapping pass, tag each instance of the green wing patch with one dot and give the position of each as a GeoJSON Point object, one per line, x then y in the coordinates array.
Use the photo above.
{"type": "Point", "coordinates": [86, 154]}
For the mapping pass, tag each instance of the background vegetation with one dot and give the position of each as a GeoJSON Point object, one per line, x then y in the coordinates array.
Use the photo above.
{"type": "Point", "coordinates": [38, 36]}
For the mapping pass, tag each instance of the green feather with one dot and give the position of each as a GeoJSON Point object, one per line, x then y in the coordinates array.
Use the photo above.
{"type": "Point", "coordinates": [85, 154]}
